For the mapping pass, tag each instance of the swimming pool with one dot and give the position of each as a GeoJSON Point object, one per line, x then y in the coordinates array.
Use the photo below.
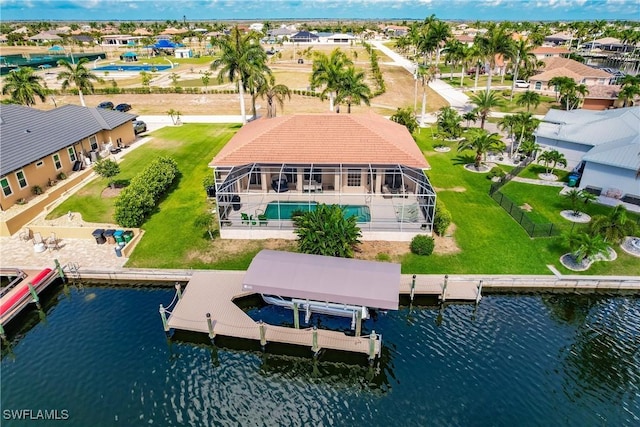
{"type": "Point", "coordinates": [132, 68]}
{"type": "Point", "coordinates": [284, 210]}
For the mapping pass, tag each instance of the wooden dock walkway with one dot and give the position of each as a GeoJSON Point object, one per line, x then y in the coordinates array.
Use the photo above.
{"type": "Point", "coordinates": [456, 289]}
{"type": "Point", "coordinates": [214, 291]}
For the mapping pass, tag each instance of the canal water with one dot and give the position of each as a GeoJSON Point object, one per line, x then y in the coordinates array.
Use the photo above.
{"type": "Point", "coordinates": [99, 353]}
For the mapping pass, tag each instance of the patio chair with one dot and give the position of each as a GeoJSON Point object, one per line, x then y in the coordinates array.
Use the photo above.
{"type": "Point", "coordinates": [37, 239]}
{"type": "Point", "coordinates": [262, 219]}
{"type": "Point", "coordinates": [246, 219]}
{"type": "Point", "coordinates": [25, 235]}
{"type": "Point", "coordinates": [52, 242]}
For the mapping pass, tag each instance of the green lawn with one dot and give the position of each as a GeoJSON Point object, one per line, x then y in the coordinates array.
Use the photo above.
{"type": "Point", "coordinates": [491, 241]}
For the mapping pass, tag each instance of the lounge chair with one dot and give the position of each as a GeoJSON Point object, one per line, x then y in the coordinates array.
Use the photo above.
{"type": "Point", "coordinates": [246, 219]}
{"type": "Point", "coordinates": [262, 219]}
{"type": "Point", "coordinates": [52, 242]}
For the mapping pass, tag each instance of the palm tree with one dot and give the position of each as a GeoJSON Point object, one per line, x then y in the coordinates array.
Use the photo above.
{"type": "Point", "coordinates": [425, 75]}
{"type": "Point", "coordinates": [273, 92]}
{"type": "Point", "coordinates": [551, 159]}
{"type": "Point", "coordinates": [438, 32]}
{"type": "Point", "coordinates": [569, 91]}
{"type": "Point", "coordinates": [627, 94]}
{"type": "Point", "coordinates": [470, 116]}
{"type": "Point", "coordinates": [79, 76]}
{"type": "Point", "coordinates": [576, 196]}
{"type": "Point", "coordinates": [353, 89]}
{"type": "Point", "coordinates": [528, 99]}
{"type": "Point", "coordinates": [326, 231]}
{"type": "Point", "coordinates": [407, 118]}
{"type": "Point", "coordinates": [484, 102]}
{"type": "Point", "coordinates": [524, 54]}
{"type": "Point", "coordinates": [528, 147]}
{"type": "Point", "coordinates": [584, 246]}
{"type": "Point", "coordinates": [525, 124]}
{"type": "Point", "coordinates": [496, 41]}
{"type": "Point", "coordinates": [23, 86]}
{"type": "Point", "coordinates": [448, 122]}
{"type": "Point", "coordinates": [481, 142]}
{"type": "Point", "coordinates": [613, 227]}
{"type": "Point", "coordinates": [328, 71]}
{"type": "Point", "coordinates": [240, 56]}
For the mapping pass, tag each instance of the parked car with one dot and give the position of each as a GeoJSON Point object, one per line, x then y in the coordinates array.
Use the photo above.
{"type": "Point", "coordinates": [522, 84]}
{"type": "Point", "coordinates": [139, 126]}
{"type": "Point", "coordinates": [107, 105]}
{"type": "Point", "coordinates": [123, 107]}
{"type": "Point", "coordinates": [472, 71]}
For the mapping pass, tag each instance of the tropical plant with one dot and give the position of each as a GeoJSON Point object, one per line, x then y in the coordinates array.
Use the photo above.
{"type": "Point", "coordinates": [353, 89]}
{"type": "Point", "coordinates": [613, 227]}
{"type": "Point", "coordinates": [273, 92]}
{"type": "Point", "coordinates": [484, 102]}
{"type": "Point", "coordinates": [584, 246]}
{"type": "Point", "coordinates": [528, 147]}
{"type": "Point", "coordinates": [551, 159]}
{"type": "Point", "coordinates": [442, 219]}
{"type": "Point", "coordinates": [495, 42]}
{"type": "Point", "coordinates": [628, 93]}
{"type": "Point", "coordinates": [175, 116]}
{"type": "Point", "coordinates": [146, 78]}
{"type": "Point", "coordinates": [425, 75]}
{"type": "Point", "coordinates": [524, 125]}
{"type": "Point", "coordinates": [575, 197]}
{"type": "Point", "coordinates": [523, 50]}
{"type": "Point", "coordinates": [23, 85]}
{"type": "Point", "coordinates": [481, 142]}
{"type": "Point", "coordinates": [327, 71]}
{"type": "Point", "coordinates": [326, 231]}
{"type": "Point", "coordinates": [570, 93]}
{"type": "Point", "coordinates": [206, 77]}
{"type": "Point", "coordinates": [79, 76]}
{"type": "Point", "coordinates": [448, 121]}
{"type": "Point", "coordinates": [107, 168]}
{"type": "Point", "coordinates": [528, 99]}
{"type": "Point", "coordinates": [405, 117]}
{"type": "Point", "coordinates": [240, 56]}
{"type": "Point", "coordinates": [470, 116]}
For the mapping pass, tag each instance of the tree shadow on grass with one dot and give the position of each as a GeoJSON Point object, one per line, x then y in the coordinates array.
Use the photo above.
{"type": "Point", "coordinates": [463, 159]}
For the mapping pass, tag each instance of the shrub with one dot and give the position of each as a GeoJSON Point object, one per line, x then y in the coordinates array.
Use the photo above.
{"type": "Point", "coordinates": [442, 219]}
{"type": "Point", "coordinates": [106, 168]}
{"type": "Point", "coordinates": [62, 176]}
{"type": "Point", "coordinates": [496, 171]}
{"type": "Point", "coordinates": [36, 189]}
{"type": "Point", "coordinates": [422, 245]}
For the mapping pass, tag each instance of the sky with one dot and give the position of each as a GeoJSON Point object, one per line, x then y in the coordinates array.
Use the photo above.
{"type": "Point", "coordinates": [260, 10]}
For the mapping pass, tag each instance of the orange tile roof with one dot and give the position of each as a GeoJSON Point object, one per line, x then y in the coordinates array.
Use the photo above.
{"type": "Point", "coordinates": [541, 50]}
{"type": "Point", "coordinates": [322, 138]}
{"type": "Point", "coordinates": [575, 67]}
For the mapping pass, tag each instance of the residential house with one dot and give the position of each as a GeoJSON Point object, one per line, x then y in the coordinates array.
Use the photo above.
{"type": "Point", "coordinates": [304, 37]}
{"type": "Point", "coordinates": [37, 146]}
{"type": "Point", "coordinates": [120, 40]}
{"type": "Point", "coordinates": [563, 67]}
{"type": "Point", "coordinates": [340, 38]}
{"type": "Point", "coordinates": [542, 52]}
{"type": "Point", "coordinates": [606, 142]}
{"type": "Point", "coordinates": [559, 38]}
{"type": "Point", "coordinates": [369, 165]}
{"type": "Point", "coordinates": [45, 37]}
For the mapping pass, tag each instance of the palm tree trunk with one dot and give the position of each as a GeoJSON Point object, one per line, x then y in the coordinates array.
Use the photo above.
{"type": "Point", "coordinates": [330, 101]}
{"type": "Point", "coordinates": [243, 113]}
{"type": "Point", "coordinates": [424, 104]}
{"type": "Point", "coordinates": [81, 98]}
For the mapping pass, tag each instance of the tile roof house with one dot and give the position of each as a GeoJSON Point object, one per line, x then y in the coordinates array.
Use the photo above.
{"type": "Point", "coordinates": [563, 67]}
{"type": "Point", "coordinates": [304, 37]}
{"type": "Point", "coordinates": [607, 142]}
{"type": "Point", "coordinates": [37, 146]}
{"type": "Point", "coordinates": [542, 52]}
{"type": "Point", "coordinates": [364, 162]}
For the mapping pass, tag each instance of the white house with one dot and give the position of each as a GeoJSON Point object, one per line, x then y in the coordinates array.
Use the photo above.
{"type": "Point", "coordinates": [608, 142]}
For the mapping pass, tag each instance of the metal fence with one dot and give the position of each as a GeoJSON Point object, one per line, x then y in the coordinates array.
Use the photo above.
{"type": "Point", "coordinates": [533, 229]}
{"type": "Point", "coordinates": [508, 177]}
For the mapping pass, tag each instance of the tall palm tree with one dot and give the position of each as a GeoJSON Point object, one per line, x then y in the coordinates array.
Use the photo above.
{"type": "Point", "coordinates": [524, 54]}
{"type": "Point", "coordinates": [240, 56]}
{"type": "Point", "coordinates": [627, 94]}
{"type": "Point", "coordinates": [24, 86]}
{"type": "Point", "coordinates": [273, 92]}
{"type": "Point", "coordinates": [353, 89]}
{"type": "Point", "coordinates": [613, 227]}
{"type": "Point", "coordinates": [569, 91]}
{"type": "Point", "coordinates": [328, 71]}
{"type": "Point", "coordinates": [484, 102]}
{"type": "Point", "coordinates": [425, 75]}
{"type": "Point", "coordinates": [480, 141]}
{"type": "Point", "coordinates": [551, 159]}
{"type": "Point", "coordinates": [529, 99]}
{"type": "Point", "coordinates": [524, 125]}
{"type": "Point", "coordinates": [507, 123]}
{"type": "Point", "coordinates": [79, 76]}
{"type": "Point", "coordinates": [496, 41]}
{"type": "Point", "coordinates": [438, 32]}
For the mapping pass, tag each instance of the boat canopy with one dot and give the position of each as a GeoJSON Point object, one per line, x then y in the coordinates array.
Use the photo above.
{"type": "Point", "coordinates": [324, 278]}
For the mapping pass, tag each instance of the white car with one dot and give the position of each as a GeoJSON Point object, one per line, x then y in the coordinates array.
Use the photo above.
{"type": "Point", "coordinates": [522, 84]}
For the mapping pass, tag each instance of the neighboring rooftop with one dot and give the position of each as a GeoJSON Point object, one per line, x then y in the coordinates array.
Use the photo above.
{"type": "Point", "coordinates": [556, 66]}
{"type": "Point", "coordinates": [322, 138]}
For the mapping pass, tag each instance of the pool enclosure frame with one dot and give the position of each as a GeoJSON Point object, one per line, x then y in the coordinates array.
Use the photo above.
{"type": "Point", "coordinates": [400, 199]}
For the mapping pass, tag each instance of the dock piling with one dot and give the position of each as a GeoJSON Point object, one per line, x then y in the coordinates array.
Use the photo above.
{"type": "Point", "coordinates": [179, 290]}
{"type": "Point", "coordinates": [358, 323]}
{"type": "Point", "coordinates": [479, 295]}
{"type": "Point", "coordinates": [263, 335]}
{"type": "Point", "coordinates": [163, 315]}
{"type": "Point", "coordinates": [60, 271]}
{"type": "Point", "coordinates": [314, 342]}
{"type": "Point", "coordinates": [413, 287]}
{"type": "Point", "coordinates": [296, 316]}
{"type": "Point", "coordinates": [2, 333]}
{"type": "Point", "coordinates": [212, 334]}
{"type": "Point", "coordinates": [34, 294]}
{"type": "Point", "coordinates": [372, 345]}
{"type": "Point", "coordinates": [444, 288]}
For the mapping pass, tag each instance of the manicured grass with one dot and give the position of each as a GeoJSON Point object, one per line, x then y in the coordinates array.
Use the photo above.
{"type": "Point", "coordinates": [491, 242]}
{"type": "Point", "coordinates": [535, 169]}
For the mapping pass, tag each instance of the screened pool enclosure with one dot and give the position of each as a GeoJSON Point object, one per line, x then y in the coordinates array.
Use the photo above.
{"type": "Point", "coordinates": [257, 200]}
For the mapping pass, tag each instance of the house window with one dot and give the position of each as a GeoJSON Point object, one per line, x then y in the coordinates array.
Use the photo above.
{"type": "Point", "coordinates": [22, 180]}
{"type": "Point", "coordinates": [119, 142]}
{"type": "Point", "coordinates": [538, 85]}
{"type": "Point", "coordinates": [256, 177]}
{"type": "Point", "coordinates": [353, 178]}
{"type": "Point", "coordinates": [56, 161]}
{"type": "Point", "coordinates": [72, 154]}
{"type": "Point", "coordinates": [39, 163]}
{"type": "Point", "coordinates": [316, 176]}
{"type": "Point", "coordinates": [93, 141]}
{"type": "Point", "coordinates": [6, 188]}
{"type": "Point", "coordinates": [291, 174]}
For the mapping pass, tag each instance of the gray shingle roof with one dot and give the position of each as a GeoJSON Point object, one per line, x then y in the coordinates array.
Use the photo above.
{"type": "Point", "coordinates": [28, 134]}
